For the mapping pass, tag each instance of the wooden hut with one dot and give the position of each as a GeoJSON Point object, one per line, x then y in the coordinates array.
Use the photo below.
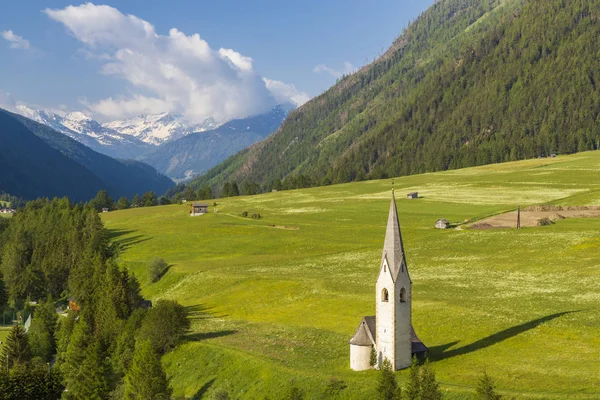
{"type": "Point", "coordinates": [413, 195]}
{"type": "Point", "coordinates": [198, 209]}
{"type": "Point", "coordinates": [442, 223]}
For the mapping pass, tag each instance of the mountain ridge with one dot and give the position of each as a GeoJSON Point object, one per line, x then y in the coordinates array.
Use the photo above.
{"type": "Point", "coordinates": [119, 177]}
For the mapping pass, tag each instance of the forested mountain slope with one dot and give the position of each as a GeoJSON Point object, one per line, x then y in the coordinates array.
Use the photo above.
{"type": "Point", "coordinates": [119, 177]}
{"type": "Point", "coordinates": [470, 82]}
{"type": "Point", "coordinates": [29, 168]}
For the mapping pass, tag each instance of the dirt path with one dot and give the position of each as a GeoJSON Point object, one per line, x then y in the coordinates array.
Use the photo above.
{"type": "Point", "coordinates": [531, 218]}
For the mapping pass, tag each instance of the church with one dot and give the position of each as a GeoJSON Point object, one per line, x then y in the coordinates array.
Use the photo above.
{"type": "Point", "coordinates": [389, 334]}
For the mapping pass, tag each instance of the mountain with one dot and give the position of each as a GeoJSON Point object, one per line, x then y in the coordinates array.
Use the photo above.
{"type": "Point", "coordinates": [29, 168]}
{"type": "Point", "coordinates": [159, 128]}
{"type": "Point", "coordinates": [119, 177]}
{"type": "Point", "coordinates": [197, 152]}
{"type": "Point", "coordinates": [470, 82]}
{"type": "Point", "coordinates": [85, 130]}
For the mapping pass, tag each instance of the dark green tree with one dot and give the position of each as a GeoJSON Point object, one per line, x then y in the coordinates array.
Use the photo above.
{"type": "Point", "coordinates": [91, 380]}
{"type": "Point", "coordinates": [156, 268]}
{"type": "Point", "coordinates": [164, 325]}
{"type": "Point", "coordinates": [486, 388]}
{"type": "Point", "coordinates": [102, 200]}
{"type": "Point", "coordinates": [145, 379]}
{"type": "Point", "coordinates": [16, 349]}
{"type": "Point", "coordinates": [430, 389]}
{"type": "Point", "coordinates": [149, 199]}
{"type": "Point", "coordinates": [33, 381]}
{"type": "Point", "coordinates": [123, 203]}
{"type": "Point", "coordinates": [387, 386]}
{"type": "Point", "coordinates": [135, 202]}
{"type": "Point", "coordinates": [412, 390]}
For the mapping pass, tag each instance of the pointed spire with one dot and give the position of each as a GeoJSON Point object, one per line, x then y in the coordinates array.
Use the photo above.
{"type": "Point", "coordinates": [393, 248]}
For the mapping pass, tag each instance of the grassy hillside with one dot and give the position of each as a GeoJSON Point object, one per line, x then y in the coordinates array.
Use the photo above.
{"type": "Point", "coordinates": [470, 82]}
{"type": "Point", "coordinates": [278, 298]}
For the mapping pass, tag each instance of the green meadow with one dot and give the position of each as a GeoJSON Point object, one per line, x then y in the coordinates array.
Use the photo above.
{"type": "Point", "coordinates": [277, 299]}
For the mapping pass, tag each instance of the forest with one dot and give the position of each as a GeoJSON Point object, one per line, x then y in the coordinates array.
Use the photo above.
{"type": "Point", "coordinates": [90, 334]}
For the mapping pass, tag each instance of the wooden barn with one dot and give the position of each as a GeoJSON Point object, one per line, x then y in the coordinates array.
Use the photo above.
{"type": "Point", "coordinates": [413, 195]}
{"type": "Point", "coordinates": [442, 223]}
{"type": "Point", "coordinates": [198, 209]}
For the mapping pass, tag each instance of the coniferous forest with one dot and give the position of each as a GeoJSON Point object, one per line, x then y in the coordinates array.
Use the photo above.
{"type": "Point", "coordinates": [92, 334]}
{"type": "Point", "coordinates": [470, 82]}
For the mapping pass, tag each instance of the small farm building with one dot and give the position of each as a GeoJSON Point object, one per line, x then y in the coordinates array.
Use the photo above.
{"type": "Point", "coordinates": [105, 210]}
{"type": "Point", "coordinates": [413, 195]}
{"type": "Point", "coordinates": [442, 223]}
{"type": "Point", "coordinates": [73, 304]}
{"type": "Point", "coordinates": [198, 209]}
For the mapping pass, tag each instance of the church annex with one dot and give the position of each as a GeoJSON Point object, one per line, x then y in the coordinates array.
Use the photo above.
{"type": "Point", "coordinates": [390, 333]}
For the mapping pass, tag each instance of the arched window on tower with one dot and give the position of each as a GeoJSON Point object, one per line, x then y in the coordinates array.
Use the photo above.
{"type": "Point", "coordinates": [385, 295]}
{"type": "Point", "coordinates": [402, 295]}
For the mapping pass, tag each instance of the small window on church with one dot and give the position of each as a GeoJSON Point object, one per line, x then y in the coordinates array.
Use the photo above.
{"type": "Point", "coordinates": [384, 268]}
{"type": "Point", "coordinates": [402, 295]}
{"type": "Point", "coordinates": [385, 295]}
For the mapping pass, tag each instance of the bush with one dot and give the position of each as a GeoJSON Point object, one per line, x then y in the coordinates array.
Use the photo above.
{"type": "Point", "coordinates": [244, 214]}
{"type": "Point", "coordinates": [164, 325]}
{"type": "Point", "coordinates": [256, 216]}
{"type": "Point", "coordinates": [334, 386]}
{"type": "Point", "coordinates": [156, 268]}
{"type": "Point", "coordinates": [545, 222]}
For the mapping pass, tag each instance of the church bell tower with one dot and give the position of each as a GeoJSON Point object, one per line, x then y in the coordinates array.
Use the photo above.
{"type": "Point", "coordinates": [393, 298]}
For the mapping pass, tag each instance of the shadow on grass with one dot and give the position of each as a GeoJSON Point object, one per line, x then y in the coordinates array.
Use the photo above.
{"type": "Point", "coordinates": [200, 312]}
{"type": "Point", "coordinates": [200, 336]}
{"type": "Point", "coordinates": [125, 243]}
{"type": "Point", "coordinates": [203, 390]}
{"type": "Point", "coordinates": [439, 353]}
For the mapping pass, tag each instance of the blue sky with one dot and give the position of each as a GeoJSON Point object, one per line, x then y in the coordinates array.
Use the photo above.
{"type": "Point", "coordinates": [99, 60]}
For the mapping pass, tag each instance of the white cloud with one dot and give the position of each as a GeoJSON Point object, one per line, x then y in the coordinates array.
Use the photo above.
{"type": "Point", "coordinates": [174, 72]}
{"type": "Point", "coordinates": [16, 41]}
{"type": "Point", "coordinates": [324, 69]}
{"type": "Point", "coordinates": [284, 92]}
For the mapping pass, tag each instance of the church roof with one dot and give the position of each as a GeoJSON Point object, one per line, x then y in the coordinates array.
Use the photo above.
{"type": "Point", "coordinates": [393, 248]}
{"type": "Point", "coordinates": [365, 334]}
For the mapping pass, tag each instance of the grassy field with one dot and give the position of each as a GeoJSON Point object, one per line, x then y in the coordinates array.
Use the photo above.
{"type": "Point", "coordinates": [278, 298]}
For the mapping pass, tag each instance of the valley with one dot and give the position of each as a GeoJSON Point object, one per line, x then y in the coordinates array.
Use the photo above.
{"type": "Point", "coordinates": [274, 305]}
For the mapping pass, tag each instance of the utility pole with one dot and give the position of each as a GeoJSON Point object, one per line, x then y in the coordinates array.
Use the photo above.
{"type": "Point", "coordinates": [519, 217]}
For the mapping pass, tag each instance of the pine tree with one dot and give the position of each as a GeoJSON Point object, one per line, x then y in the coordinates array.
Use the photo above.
{"type": "Point", "coordinates": [412, 389]}
{"type": "Point", "coordinates": [373, 357]}
{"type": "Point", "coordinates": [430, 389]}
{"type": "Point", "coordinates": [91, 379]}
{"type": "Point", "coordinates": [486, 389]}
{"type": "Point", "coordinates": [16, 350]}
{"type": "Point", "coordinates": [387, 386]}
{"type": "Point", "coordinates": [75, 353]}
{"type": "Point", "coordinates": [123, 203]}
{"type": "Point", "coordinates": [146, 379]}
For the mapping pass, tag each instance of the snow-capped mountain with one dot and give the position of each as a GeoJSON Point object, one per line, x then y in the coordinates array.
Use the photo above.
{"type": "Point", "coordinates": [89, 132]}
{"type": "Point", "coordinates": [159, 128]}
{"type": "Point", "coordinates": [197, 152]}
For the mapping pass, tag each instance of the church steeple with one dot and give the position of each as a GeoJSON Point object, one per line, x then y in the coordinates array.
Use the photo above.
{"type": "Point", "coordinates": [393, 248]}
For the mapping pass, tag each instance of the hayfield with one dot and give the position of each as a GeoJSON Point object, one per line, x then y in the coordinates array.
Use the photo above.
{"type": "Point", "coordinates": [272, 305]}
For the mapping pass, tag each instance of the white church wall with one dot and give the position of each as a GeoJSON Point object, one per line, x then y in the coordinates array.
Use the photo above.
{"type": "Point", "coordinates": [360, 357]}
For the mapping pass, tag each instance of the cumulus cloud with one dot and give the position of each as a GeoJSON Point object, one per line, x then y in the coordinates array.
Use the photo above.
{"type": "Point", "coordinates": [174, 72]}
{"type": "Point", "coordinates": [16, 41]}
{"type": "Point", "coordinates": [324, 69]}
